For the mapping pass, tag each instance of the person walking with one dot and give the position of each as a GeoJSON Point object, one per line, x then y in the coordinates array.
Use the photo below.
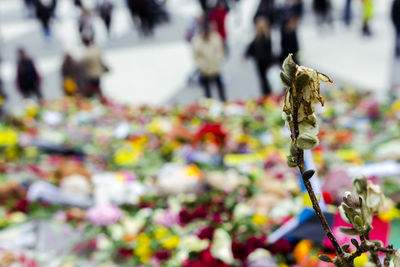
{"type": "Point", "coordinates": [28, 79]}
{"type": "Point", "coordinates": [105, 10]}
{"type": "Point", "coordinates": [322, 9]}
{"type": "Point", "coordinates": [395, 14]}
{"type": "Point", "coordinates": [71, 74]}
{"type": "Point", "coordinates": [289, 40]}
{"type": "Point", "coordinates": [44, 9]}
{"type": "Point", "coordinates": [347, 13]}
{"type": "Point", "coordinates": [260, 49]}
{"type": "Point", "coordinates": [368, 12]}
{"type": "Point", "coordinates": [208, 50]}
{"type": "Point", "coordinates": [93, 68]}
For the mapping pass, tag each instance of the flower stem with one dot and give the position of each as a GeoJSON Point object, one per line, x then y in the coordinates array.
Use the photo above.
{"type": "Point", "coordinates": [300, 164]}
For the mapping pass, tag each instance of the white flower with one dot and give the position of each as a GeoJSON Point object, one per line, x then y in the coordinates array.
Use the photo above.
{"type": "Point", "coordinates": [193, 243]}
{"type": "Point", "coordinates": [396, 258]}
{"type": "Point", "coordinates": [375, 197]}
{"type": "Point", "coordinates": [241, 210]}
{"type": "Point", "coordinates": [221, 246]}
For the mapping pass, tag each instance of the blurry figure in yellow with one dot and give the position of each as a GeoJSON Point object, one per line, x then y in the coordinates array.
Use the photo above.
{"type": "Point", "coordinates": [368, 11]}
{"type": "Point", "coordinates": [71, 73]}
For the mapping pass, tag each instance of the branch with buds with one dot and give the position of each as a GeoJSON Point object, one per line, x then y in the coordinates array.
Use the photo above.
{"type": "Point", "coordinates": [302, 94]}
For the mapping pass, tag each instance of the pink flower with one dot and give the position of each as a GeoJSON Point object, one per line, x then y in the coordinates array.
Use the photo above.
{"type": "Point", "coordinates": [103, 215]}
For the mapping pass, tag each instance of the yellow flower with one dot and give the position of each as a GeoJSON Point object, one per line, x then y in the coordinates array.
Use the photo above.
{"type": "Point", "coordinates": [171, 242]}
{"type": "Point", "coordinates": [160, 233]}
{"type": "Point", "coordinates": [361, 261]}
{"type": "Point", "coordinates": [143, 250]}
{"type": "Point", "coordinates": [258, 219]}
{"type": "Point", "coordinates": [8, 137]}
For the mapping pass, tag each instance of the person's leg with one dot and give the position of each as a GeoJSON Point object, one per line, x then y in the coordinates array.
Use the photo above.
{"type": "Point", "coordinates": [221, 88]}
{"type": "Point", "coordinates": [205, 82]}
{"type": "Point", "coordinates": [397, 47]}
{"type": "Point", "coordinates": [261, 71]}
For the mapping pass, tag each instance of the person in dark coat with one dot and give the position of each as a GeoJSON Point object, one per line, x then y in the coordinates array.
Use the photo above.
{"type": "Point", "coordinates": [28, 79]}
{"type": "Point", "coordinates": [289, 41]}
{"type": "Point", "coordinates": [260, 49]}
{"type": "Point", "coordinates": [396, 22]}
{"type": "Point", "coordinates": [105, 11]}
{"type": "Point", "coordinates": [72, 76]}
{"type": "Point", "coordinates": [266, 9]}
{"type": "Point", "coordinates": [142, 9]}
{"type": "Point", "coordinates": [322, 9]}
{"type": "Point", "coordinates": [44, 10]}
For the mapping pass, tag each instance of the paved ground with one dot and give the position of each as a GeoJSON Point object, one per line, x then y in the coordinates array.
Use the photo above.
{"type": "Point", "coordinates": [155, 70]}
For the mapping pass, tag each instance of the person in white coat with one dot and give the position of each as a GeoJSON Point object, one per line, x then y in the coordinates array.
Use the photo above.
{"type": "Point", "coordinates": [208, 50]}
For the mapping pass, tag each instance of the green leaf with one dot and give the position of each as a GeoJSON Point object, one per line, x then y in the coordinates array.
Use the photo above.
{"type": "Point", "coordinates": [355, 242]}
{"type": "Point", "coordinates": [325, 258]}
{"type": "Point", "coordinates": [348, 231]}
{"type": "Point", "coordinates": [345, 247]}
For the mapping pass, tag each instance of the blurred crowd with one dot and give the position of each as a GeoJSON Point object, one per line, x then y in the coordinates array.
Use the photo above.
{"type": "Point", "coordinates": [207, 35]}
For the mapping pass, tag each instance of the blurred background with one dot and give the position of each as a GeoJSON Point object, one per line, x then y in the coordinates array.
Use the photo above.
{"type": "Point", "coordinates": [150, 132]}
{"type": "Point", "coordinates": [329, 39]}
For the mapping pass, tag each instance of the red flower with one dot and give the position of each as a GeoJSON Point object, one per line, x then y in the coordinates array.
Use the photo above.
{"type": "Point", "coordinates": [22, 205]}
{"type": "Point", "coordinates": [162, 255]}
{"type": "Point", "coordinates": [239, 251]}
{"type": "Point", "coordinates": [200, 212]}
{"type": "Point", "coordinates": [185, 216]}
{"type": "Point", "coordinates": [124, 253]}
{"type": "Point", "coordinates": [217, 218]}
{"type": "Point", "coordinates": [206, 233]}
{"type": "Point", "coordinates": [280, 246]}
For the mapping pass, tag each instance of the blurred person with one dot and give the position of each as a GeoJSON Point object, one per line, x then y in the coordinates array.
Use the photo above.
{"type": "Point", "coordinates": [44, 9]}
{"type": "Point", "coordinates": [208, 50]}
{"type": "Point", "coordinates": [78, 3]}
{"type": "Point", "coordinates": [368, 11]}
{"type": "Point", "coordinates": [93, 69]}
{"type": "Point", "coordinates": [322, 9]}
{"type": "Point", "coordinates": [395, 14]}
{"type": "Point", "coordinates": [3, 98]}
{"type": "Point", "coordinates": [28, 79]}
{"type": "Point", "coordinates": [217, 17]}
{"type": "Point", "coordinates": [266, 9]}
{"type": "Point", "coordinates": [193, 30]}
{"type": "Point", "coordinates": [141, 9]}
{"type": "Point", "coordinates": [289, 41]}
{"type": "Point", "coordinates": [347, 13]}
{"type": "Point", "coordinates": [30, 6]}
{"type": "Point", "coordinates": [260, 49]}
{"type": "Point", "coordinates": [204, 5]}
{"type": "Point", "coordinates": [85, 25]}
{"type": "Point", "coordinates": [72, 76]}
{"type": "Point", "coordinates": [105, 10]}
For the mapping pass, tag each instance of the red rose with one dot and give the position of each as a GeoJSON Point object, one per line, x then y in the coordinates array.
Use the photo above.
{"type": "Point", "coordinates": [206, 233]}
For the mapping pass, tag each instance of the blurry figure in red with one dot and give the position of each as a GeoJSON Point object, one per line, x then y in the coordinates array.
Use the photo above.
{"type": "Point", "coordinates": [217, 17]}
{"type": "Point", "coordinates": [28, 79]}
{"type": "Point", "coordinates": [209, 53]}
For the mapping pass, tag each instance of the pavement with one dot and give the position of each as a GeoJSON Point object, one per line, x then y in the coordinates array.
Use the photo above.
{"type": "Point", "coordinates": [155, 70]}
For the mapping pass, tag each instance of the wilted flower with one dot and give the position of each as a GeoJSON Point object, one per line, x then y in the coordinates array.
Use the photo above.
{"type": "Point", "coordinates": [375, 197]}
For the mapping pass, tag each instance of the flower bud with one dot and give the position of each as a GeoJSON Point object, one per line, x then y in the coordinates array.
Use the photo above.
{"type": "Point", "coordinates": [307, 141]}
{"type": "Point", "coordinates": [360, 184]}
{"type": "Point", "coordinates": [351, 200]}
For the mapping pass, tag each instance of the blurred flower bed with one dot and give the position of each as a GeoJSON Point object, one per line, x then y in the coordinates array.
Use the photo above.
{"type": "Point", "coordinates": [89, 184]}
